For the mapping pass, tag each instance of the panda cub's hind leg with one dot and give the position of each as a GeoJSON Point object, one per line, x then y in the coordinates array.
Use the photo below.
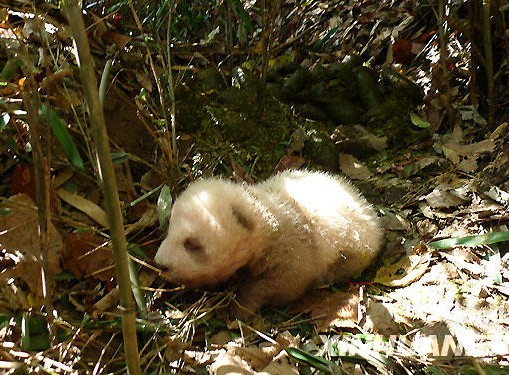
{"type": "Point", "coordinates": [272, 288]}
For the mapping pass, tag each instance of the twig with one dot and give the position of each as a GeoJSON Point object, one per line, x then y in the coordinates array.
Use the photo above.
{"type": "Point", "coordinates": [169, 153]}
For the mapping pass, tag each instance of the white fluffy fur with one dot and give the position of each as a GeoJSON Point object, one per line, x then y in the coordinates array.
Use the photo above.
{"type": "Point", "coordinates": [296, 230]}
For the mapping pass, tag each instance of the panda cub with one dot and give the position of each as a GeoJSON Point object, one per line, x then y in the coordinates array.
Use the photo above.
{"type": "Point", "coordinates": [295, 231]}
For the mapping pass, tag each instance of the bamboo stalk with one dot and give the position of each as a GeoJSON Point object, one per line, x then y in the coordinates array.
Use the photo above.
{"type": "Point", "coordinates": [265, 42]}
{"type": "Point", "coordinates": [109, 186]}
{"type": "Point", "coordinates": [32, 103]}
{"type": "Point", "coordinates": [171, 86]}
{"type": "Point", "coordinates": [443, 32]}
{"type": "Point", "coordinates": [488, 56]}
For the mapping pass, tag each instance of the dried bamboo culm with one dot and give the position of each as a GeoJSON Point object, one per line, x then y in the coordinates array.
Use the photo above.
{"type": "Point", "coordinates": [109, 186]}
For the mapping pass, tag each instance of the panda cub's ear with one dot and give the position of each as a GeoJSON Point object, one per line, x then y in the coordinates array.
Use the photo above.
{"type": "Point", "coordinates": [242, 219]}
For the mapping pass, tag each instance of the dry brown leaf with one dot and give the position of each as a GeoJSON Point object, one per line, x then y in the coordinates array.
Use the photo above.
{"type": "Point", "coordinates": [473, 314]}
{"type": "Point", "coordinates": [482, 147]}
{"type": "Point", "coordinates": [113, 37]}
{"type": "Point", "coordinates": [327, 308]}
{"type": "Point", "coordinates": [451, 154]}
{"type": "Point", "coordinates": [468, 165]}
{"type": "Point", "coordinates": [268, 358]}
{"type": "Point", "coordinates": [391, 221]}
{"type": "Point", "coordinates": [443, 199]}
{"type": "Point", "coordinates": [430, 339]}
{"type": "Point", "coordinates": [455, 151]}
{"type": "Point", "coordinates": [149, 218]}
{"type": "Point", "coordinates": [221, 338]}
{"type": "Point", "coordinates": [85, 255]}
{"type": "Point", "coordinates": [239, 173]}
{"type": "Point", "coordinates": [429, 160]}
{"type": "Point", "coordinates": [289, 162]}
{"type": "Point", "coordinates": [498, 195]}
{"type": "Point", "coordinates": [353, 168]}
{"type": "Point", "coordinates": [19, 238]}
{"type": "Point", "coordinates": [282, 366]}
{"type": "Point", "coordinates": [256, 357]}
{"type": "Point", "coordinates": [378, 143]}
{"type": "Point", "coordinates": [23, 180]}
{"type": "Point", "coordinates": [108, 302]}
{"type": "Point", "coordinates": [499, 132]}
{"type": "Point", "coordinates": [228, 363]}
{"type": "Point", "coordinates": [464, 260]}
{"type": "Point", "coordinates": [84, 205]}
{"type": "Point", "coordinates": [192, 357]}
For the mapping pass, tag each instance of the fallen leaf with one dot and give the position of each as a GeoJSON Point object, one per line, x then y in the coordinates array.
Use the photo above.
{"type": "Point", "coordinates": [85, 255]}
{"type": "Point", "coordinates": [239, 173]}
{"type": "Point", "coordinates": [221, 338]}
{"type": "Point", "coordinates": [443, 199]}
{"type": "Point", "coordinates": [267, 358]}
{"type": "Point", "coordinates": [289, 162]}
{"type": "Point", "coordinates": [327, 308]}
{"type": "Point", "coordinates": [108, 302]}
{"type": "Point", "coordinates": [391, 221]}
{"type": "Point", "coordinates": [468, 165]}
{"type": "Point", "coordinates": [453, 151]}
{"type": "Point", "coordinates": [378, 143]}
{"type": "Point", "coordinates": [113, 37]}
{"type": "Point", "coordinates": [498, 195]}
{"type": "Point", "coordinates": [482, 147]}
{"type": "Point", "coordinates": [429, 160]}
{"type": "Point", "coordinates": [402, 51]}
{"type": "Point", "coordinates": [451, 154]}
{"type": "Point", "coordinates": [472, 241]}
{"type": "Point", "coordinates": [404, 272]}
{"type": "Point", "coordinates": [228, 363]}
{"type": "Point", "coordinates": [353, 168]}
{"type": "Point", "coordinates": [92, 210]}
{"type": "Point", "coordinates": [23, 180]}
{"type": "Point", "coordinates": [281, 367]}
{"type": "Point", "coordinates": [499, 132]}
{"type": "Point", "coordinates": [429, 341]}
{"type": "Point", "coordinates": [19, 238]}
{"type": "Point", "coordinates": [257, 357]}
{"type": "Point", "coordinates": [464, 260]}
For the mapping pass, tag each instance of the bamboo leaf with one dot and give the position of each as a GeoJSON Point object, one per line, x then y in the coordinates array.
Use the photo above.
{"type": "Point", "coordinates": [312, 360]}
{"type": "Point", "coordinates": [64, 138]}
{"type": "Point", "coordinates": [419, 121]}
{"type": "Point", "coordinates": [164, 204]}
{"type": "Point", "coordinates": [471, 241]}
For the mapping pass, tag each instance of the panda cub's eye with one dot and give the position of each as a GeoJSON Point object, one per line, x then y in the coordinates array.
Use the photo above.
{"type": "Point", "coordinates": [193, 245]}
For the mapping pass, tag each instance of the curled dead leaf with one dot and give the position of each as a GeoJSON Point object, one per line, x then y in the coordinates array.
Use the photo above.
{"type": "Point", "coordinates": [405, 271]}
{"type": "Point", "coordinates": [108, 302]}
